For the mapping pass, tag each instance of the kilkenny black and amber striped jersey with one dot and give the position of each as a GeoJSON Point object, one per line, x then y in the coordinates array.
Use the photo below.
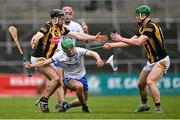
{"type": "Point", "coordinates": [47, 45]}
{"type": "Point", "coordinates": [155, 46]}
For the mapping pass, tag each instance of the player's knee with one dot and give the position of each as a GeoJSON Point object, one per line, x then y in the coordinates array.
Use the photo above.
{"type": "Point", "coordinates": [79, 87]}
{"type": "Point", "coordinates": [56, 82]}
{"type": "Point", "coordinates": [150, 83]}
{"type": "Point", "coordinates": [56, 78]}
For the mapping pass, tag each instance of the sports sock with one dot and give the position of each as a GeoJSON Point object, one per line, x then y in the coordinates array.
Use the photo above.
{"type": "Point", "coordinates": [67, 105]}
{"type": "Point", "coordinates": [144, 101]}
{"type": "Point", "coordinates": [157, 105]}
{"type": "Point", "coordinates": [83, 104]}
{"type": "Point", "coordinates": [44, 99]}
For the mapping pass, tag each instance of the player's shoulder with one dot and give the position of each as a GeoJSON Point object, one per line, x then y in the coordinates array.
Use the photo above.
{"type": "Point", "coordinates": [80, 49]}
{"type": "Point", "coordinates": [47, 23]}
{"type": "Point", "coordinates": [152, 24]}
{"type": "Point", "coordinates": [59, 52]}
{"type": "Point", "coordinates": [45, 27]}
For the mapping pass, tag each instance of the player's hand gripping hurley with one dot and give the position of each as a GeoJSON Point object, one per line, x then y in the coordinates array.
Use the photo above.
{"type": "Point", "coordinates": [13, 32]}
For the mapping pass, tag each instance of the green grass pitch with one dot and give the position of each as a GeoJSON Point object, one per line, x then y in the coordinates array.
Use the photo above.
{"type": "Point", "coordinates": [101, 107]}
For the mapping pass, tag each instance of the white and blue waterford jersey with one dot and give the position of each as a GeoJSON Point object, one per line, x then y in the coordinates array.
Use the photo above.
{"type": "Point", "coordinates": [73, 27]}
{"type": "Point", "coordinates": [73, 66]}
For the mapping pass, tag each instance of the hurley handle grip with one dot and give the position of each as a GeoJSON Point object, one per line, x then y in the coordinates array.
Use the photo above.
{"type": "Point", "coordinates": [97, 47]}
{"type": "Point", "coordinates": [28, 69]}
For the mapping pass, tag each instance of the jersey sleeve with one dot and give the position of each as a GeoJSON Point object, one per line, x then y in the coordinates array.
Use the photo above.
{"type": "Point", "coordinates": [82, 51]}
{"type": "Point", "coordinates": [64, 31]}
{"type": "Point", "coordinates": [149, 30]}
{"type": "Point", "coordinates": [44, 28]}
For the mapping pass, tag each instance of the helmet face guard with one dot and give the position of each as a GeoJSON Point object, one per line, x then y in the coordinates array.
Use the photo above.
{"type": "Point", "coordinates": [140, 18]}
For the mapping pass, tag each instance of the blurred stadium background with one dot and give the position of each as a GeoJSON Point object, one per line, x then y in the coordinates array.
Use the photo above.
{"type": "Point", "coordinates": [100, 15]}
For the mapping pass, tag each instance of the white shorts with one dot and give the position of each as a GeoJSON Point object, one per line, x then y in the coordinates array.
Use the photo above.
{"type": "Point", "coordinates": [163, 64]}
{"type": "Point", "coordinates": [36, 59]}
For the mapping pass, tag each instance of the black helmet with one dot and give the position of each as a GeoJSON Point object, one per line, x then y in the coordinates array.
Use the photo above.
{"type": "Point", "coordinates": [56, 13]}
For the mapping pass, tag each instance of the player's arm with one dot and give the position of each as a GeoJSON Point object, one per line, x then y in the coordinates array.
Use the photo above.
{"type": "Point", "coordinates": [118, 44]}
{"type": "Point", "coordinates": [40, 34]}
{"type": "Point", "coordinates": [36, 38]}
{"type": "Point", "coordinates": [132, 41]}
{"type": "Point", "coordinates": [115, 45]}
{"type": "Point", "coordinates": [53, 59]}
{"type": "Point", "coordinates": [99, 61]}
{"type": "Point", "coordinates": [83, 36]}
{"type": "Point", "coordinates": [38, 64]}
{"type": "Point", "coordinates": [135, 41]}
{"type": "Point", "coordinates": [138, 40]}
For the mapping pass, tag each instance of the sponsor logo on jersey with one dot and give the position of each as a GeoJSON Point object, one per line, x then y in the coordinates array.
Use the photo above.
{"type": "Point", "coordinates": [55, 40]}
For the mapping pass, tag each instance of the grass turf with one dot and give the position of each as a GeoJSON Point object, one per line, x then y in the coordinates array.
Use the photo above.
{"type": "Point", "coordinates": [101, 107]}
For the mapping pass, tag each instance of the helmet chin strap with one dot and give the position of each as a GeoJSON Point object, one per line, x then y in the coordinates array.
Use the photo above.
{"type": "Point", "coordinates": [142, 18]}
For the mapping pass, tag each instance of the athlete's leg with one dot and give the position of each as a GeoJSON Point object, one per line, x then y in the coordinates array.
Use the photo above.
{"type": "Point", "coordinates": [154, 76]}
{"type": "Point", "coordinates": [60, 90]}
{"type": "Point", "coordinates": [51, 73]}
{"type": "Point", "coordinates": [54, 83]}
{"type": "Point", "coordinates": [142, 86]}
{"type": "Point", "coordinates": [76, 103]}
{"type": "Point", "coordinates": [41, 86]}
{"type": "Point", "coordinates": [78, 87]}
{"type": "Point", "coordinates": [82, 96]}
